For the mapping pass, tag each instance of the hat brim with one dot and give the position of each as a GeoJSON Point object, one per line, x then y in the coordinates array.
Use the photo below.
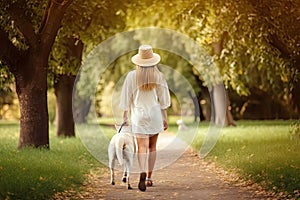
{"type": "Point", "coordinates": [136, 59]}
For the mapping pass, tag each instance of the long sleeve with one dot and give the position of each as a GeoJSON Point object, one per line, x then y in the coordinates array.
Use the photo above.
{"type": "Point", "coordinates": [126, 93]}
{"type": "Point", "coordinates": [163, 94]}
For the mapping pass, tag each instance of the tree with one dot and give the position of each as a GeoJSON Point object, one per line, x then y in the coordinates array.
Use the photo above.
{"type": "Point", "coordinates": [261, 52]}
{"type": "Point", "coordinates": [217, 48]}
{"type": "Point", "coordinates": [63, 85]}
{"type": "Point", "coordinates": [27, 36]}
{"type": "Point", "coordinates": [85, 25]}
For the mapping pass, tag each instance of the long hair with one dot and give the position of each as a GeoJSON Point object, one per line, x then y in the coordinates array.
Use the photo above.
{"type": "Point", "coordinates": [146, 77]}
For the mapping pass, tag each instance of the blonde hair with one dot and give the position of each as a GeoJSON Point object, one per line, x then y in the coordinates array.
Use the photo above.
{"type": "Point", "coordinates": [146, 77]}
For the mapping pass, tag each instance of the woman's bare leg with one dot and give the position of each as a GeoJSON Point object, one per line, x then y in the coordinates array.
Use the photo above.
{"type": "Point", "coordinates": [143, 145]}
{"type": "Point", "coordinates": [152, 154]}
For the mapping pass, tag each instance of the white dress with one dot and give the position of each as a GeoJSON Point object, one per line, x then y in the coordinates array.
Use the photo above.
{"type": "Point", "coordinates": [145, 106]}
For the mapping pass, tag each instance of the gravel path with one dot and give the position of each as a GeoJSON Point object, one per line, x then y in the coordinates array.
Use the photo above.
{"type": "Point", "coordinates": [187, 178]}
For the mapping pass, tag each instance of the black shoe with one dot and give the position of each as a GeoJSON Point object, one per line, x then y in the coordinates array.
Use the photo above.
{"type": "Point", "coordinates": [142, 183]}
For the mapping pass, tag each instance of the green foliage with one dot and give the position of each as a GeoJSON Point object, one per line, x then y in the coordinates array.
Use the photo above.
{"type": "Point", "coordinates": [32, 174]}
{"type": "Point", "coordinates": [259, 151]}
{"type": "Point", "coordinates": [9, 108]}
{"type": "Point", "coordinates": [250, 57]}
{"type": "Point", "coordinates": [33, 13]}
{"type": "Point", "coordinates": [89, 22]}
{"type": "Point", "coordinates": [261, 47]}
{"type": "Point", "coordinates": [260, 51]}
{"type": "Point", "coordinates": [6, 77]}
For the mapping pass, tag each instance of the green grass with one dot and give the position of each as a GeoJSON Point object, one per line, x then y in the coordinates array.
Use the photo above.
{"type": "Point", "coordinates": [261, 151]}
{"type": "Point", "coordinates": [258, 150]}
{"type": "Point", "coordinates": [38, 174]}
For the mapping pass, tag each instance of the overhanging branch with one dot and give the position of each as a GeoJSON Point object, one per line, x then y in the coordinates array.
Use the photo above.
{"type": "Point", "coordinates": [61, 4]}
{"type": "Point", "coordinates": [66, 3]}
{"type": "Point", "coordinates": [23, 24]}
{"type": "Point", "coordinates": [9, 54]}
{"type": "Point", "coordinates": [51, 22]}
{"type": "Point", "coordinates": [45, 16]}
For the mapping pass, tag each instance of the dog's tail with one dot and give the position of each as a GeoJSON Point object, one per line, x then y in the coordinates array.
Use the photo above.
{"type": "Point", "coordinates": [120, 146]}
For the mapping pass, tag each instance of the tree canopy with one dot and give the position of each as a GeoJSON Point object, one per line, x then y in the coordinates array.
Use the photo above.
{"type": "Point", "coordinates": [258, 39]}
{"type": "Point", "coordinates": [261, 50]}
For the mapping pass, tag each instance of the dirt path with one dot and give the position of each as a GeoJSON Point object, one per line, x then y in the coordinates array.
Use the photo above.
{"type": "Point", "coordinates": [187, 178]}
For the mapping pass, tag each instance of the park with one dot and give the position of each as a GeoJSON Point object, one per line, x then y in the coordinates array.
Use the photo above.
{"type": "Point", "coordinates": [233, 71]}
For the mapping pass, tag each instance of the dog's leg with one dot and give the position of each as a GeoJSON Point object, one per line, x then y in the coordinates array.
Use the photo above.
{"type": "Point", "coordinates": [129, 186]}
{"type": "Point", "coordinates": [124, 178]}
{"type": "Point", "coordinates": [112, 176]}
{"type": "Point", "coordinates": [127, 172]}
{"type": "Point", "coordinates": [129, 158]}
{"type": "Point", "coordinates": [112, 171]}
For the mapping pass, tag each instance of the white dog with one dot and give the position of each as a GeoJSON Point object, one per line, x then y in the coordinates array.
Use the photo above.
{"type": "Point", "coordinates": [122, 147]}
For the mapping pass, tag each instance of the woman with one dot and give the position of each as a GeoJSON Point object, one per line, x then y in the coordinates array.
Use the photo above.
{"type": "Point", "coordinates": [146, 96]}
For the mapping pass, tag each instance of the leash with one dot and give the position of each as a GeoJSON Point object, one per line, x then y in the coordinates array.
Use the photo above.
{"type": "Point", "coordinates": [121, 127]}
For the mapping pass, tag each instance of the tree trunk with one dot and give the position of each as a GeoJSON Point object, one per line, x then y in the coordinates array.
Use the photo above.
{"type": "Point", "coordinates": [203, 95]}
{"type": "Point", "coordinates": [31, 87]}
{"type": "Point", "coordinates": [64, 115]}
{"type": "Point", "coordinates": [218, 95]}
{"type": "Point", "coordinates": [219, 109]}
{"type": "Point", "coordinates": [198, 113]}
{"type": "Point", "coordinates": [64, 89]}
{"type": "Point", "coordinates": [30, 68]}
{"type": "Point", "coordinates": [296, 99]}
{"type": "Point", "coordinates": [229, 121]}
{"type": "Point", "coordinates": [82, 110]}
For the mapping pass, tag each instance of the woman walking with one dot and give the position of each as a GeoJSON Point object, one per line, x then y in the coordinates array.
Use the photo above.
{"type": "Point", "coordinates": [145, 96]}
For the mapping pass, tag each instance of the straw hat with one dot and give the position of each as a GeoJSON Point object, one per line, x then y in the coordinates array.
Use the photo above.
{"type": "Point", "coordinates": [145, 57]}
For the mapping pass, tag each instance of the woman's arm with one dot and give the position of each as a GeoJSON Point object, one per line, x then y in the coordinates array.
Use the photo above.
{"type": "Point", "coordinates": [165, 118]}
{"type": "Point", "coordinates": [125, 118]}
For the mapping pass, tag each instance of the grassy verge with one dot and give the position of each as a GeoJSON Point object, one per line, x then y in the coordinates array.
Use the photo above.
{"type": "Point", "coordinates": [261, 151]}
{"type": "Point", "coordinates": [38, 174]}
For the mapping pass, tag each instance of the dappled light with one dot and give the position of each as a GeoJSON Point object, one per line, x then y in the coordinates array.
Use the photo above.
{"type": "Point", "coordinates": [232, 68]}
